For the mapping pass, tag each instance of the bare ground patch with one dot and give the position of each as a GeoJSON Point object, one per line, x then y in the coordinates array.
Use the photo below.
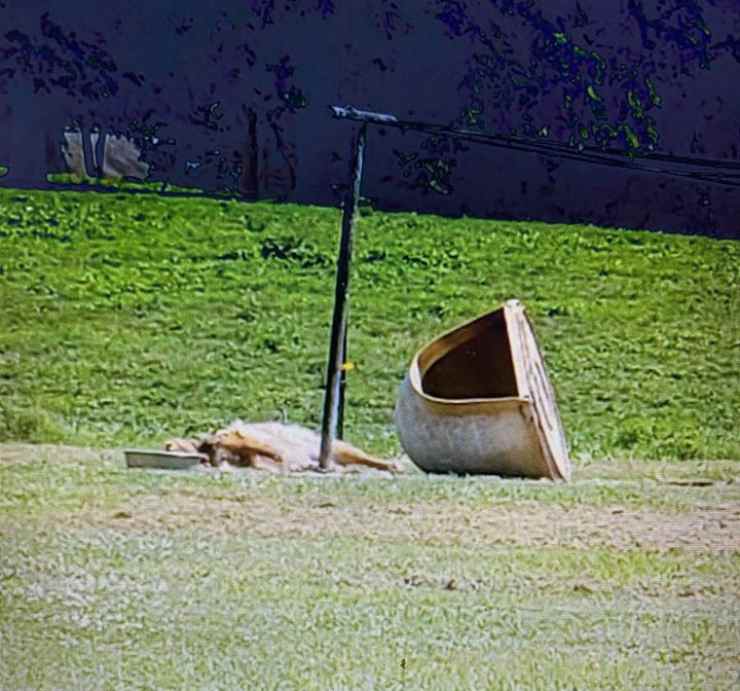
{"type": "Point", "coordinates": [705, 526]}
{"type": "Point", "coordinates": [53, 453]}
{"type": "Point", "coordinates": [529, 524]}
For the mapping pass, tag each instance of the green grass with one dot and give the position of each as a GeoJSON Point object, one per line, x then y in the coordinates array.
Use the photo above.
{"type": "Point", "coordinates": [131, 579]}
{"type": "Point", "coordinates": [140, 623]}
{"type": "Point", "coordinates": [118, 183]}
{"type": "Point", "coordinates": [127, 319]}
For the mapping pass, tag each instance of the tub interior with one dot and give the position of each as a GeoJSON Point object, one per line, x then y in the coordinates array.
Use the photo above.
{"type": "Point", "coordinates": [473, 362]}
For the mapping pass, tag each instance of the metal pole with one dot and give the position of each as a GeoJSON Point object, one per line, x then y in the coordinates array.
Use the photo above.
{"type": "Point", "coordinates": [337, 348]}
{"type": "Point", "coordinates": [342, 386]}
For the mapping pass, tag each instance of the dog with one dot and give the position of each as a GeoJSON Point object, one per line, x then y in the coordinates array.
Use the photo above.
{"type": "Point", "coordinates": [275, 447]}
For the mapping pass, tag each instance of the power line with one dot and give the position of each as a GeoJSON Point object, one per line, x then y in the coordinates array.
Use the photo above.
{"type": "Point", "coordinates": [714, 171]}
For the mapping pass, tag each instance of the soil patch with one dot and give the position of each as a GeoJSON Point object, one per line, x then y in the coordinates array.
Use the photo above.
{"type": "Point", "coordinates": [703, 527]}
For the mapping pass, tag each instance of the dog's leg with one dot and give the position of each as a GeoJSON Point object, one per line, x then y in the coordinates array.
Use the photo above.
{"type": "Point", "coordinates": [177, 444]}
{"type": "Point", "coordinates": [268, 464]}
{"type": "Point", "coordinates": [185, 446]}
{"type": "Point", "coordinates": [247, 448]}
{"type": "Point", "coordinates": [345, 454]}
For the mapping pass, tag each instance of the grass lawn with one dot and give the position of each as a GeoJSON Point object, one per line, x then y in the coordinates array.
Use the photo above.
{"type": "Point", "coordinates": [112, 578]}
{"type": "Point", "coordinates": [124, 320]}
{"type": "Point", "coordinates": [132, 318]}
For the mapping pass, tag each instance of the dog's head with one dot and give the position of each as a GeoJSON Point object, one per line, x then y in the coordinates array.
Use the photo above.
{"type": "Point", "coordinates": [212, 445]}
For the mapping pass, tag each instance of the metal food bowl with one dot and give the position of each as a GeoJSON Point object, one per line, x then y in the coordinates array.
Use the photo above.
{"type": "Point", "coordinates": [161, 460]}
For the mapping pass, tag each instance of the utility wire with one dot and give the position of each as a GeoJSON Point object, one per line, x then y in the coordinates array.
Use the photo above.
{"type": "Point", "coordinates": [714, 171]}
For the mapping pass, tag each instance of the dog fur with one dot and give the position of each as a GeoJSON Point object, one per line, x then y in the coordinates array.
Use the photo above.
{"type": "Point", "coordinates": [275, 447]}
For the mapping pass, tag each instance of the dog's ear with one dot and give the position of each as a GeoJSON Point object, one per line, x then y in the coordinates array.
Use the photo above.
{"type": "Point", "coordinates": [208, 445]}
{"type": "Point", "coordinates": [207, 441]}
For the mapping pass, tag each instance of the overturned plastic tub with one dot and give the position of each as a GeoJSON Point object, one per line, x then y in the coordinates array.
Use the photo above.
{"type": "Point", "coordinates": [477, 400]}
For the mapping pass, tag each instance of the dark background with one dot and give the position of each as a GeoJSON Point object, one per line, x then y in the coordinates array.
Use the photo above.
{"type": "Point", "coordinates": [233, 96]}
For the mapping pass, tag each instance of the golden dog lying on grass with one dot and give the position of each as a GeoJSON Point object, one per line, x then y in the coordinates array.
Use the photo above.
{"type": "Point", "coordinates": [275, 447]}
